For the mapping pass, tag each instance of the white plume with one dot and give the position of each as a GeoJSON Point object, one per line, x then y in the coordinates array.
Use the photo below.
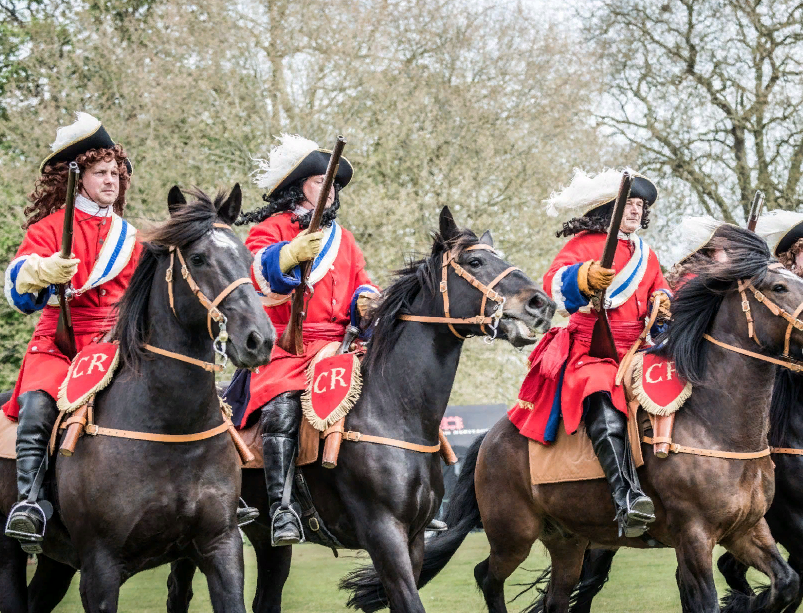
{"type": "Point", "coordinates": [773, 226]}
{"type": "Point", "coordinates": [282, 158]}
{"type": "Point", "coordinates": [84, 125]}
{"type": "Point", "coordinates": [585, 191]}
{"type": "Point", "coordinates": [695, 232]}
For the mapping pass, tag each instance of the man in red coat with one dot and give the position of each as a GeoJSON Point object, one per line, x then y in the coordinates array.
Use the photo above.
{"type": "Point", "coordinates": [565, 383]}
{"type": "Point", "coordinates": [293, 178]}
{"type": "Point", "coordinates": [105, 253]}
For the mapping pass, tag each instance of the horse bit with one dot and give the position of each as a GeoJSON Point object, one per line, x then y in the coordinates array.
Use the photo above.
{"type": "Point", "coordinates": [219, 341]}
{"type": "Point", "coordinates": [450, 259]}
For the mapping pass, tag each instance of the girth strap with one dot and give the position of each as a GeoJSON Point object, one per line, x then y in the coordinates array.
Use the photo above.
{"type": "Point", "coordinates": [711, 453]}
{"type": "Point", "coordinates": [786, 450]}
{"type": "Point", "coordinates": [93, 430]}
{"type": "Point", "coordinates": [359, 437]}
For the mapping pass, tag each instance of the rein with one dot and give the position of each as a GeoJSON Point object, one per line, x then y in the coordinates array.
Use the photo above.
{"type": "Point", "coordinates": [450, 259]}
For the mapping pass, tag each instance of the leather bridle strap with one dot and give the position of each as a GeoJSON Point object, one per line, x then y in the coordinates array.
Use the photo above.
{"type": "Point", "coordinates": [793, 366]}
{"type": "Point", "coordinates": [711, 453]}
{"type": "Point", "coordinates": [207, 366]}
{"type": "Point", "coordinates": [791, 319]}
{"type": "Point", "coordinates": [786, 451]}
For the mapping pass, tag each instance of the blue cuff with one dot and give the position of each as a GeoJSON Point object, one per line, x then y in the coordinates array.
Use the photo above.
{"type": "Point", "coordinates": [28, 302]}
{"type": "Point", "coordinates": [354, 314]}
{"type": "Point", "coordinates": [573, 298]}
{"type": "Point", "coordinates": [279, 282]}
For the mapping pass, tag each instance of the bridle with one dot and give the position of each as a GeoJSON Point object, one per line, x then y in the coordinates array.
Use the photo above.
{"type": "Point", "coordinates": [213, 313]}
{"type": "Point", "coordinates": [488, 293]}
{"type": "Point", "coordinates": [791, 318]}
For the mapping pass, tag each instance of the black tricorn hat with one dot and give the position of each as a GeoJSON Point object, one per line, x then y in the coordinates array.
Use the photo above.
{"type": "Point", "coordinates": [781, 229]}
{"type": "Point", "coordinates": [85, 134]}
{"type": "Point", "coordinates": [296, 158]}
{"type": "Point", "coordinates": [640, 188]}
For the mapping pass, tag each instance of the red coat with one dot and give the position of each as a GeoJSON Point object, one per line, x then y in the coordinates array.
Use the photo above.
{"type": "Point", "coordinates": [562, 374]}
{"type": "Point", "coordinates": [109, 251]}
{"type": "Point", "coordinates": [338, 276]}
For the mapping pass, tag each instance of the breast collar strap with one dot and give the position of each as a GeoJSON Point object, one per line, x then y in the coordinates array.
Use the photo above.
{"type": "Point", "coordinates": [450, 259]}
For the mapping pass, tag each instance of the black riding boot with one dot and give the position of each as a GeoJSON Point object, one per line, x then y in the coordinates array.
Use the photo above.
{"type": "Point", "coordinates": [280, 421]}
{"type": "Point", "coordinates": [607, 428]}
{"type": "Point", "coordinates": [28, 518]}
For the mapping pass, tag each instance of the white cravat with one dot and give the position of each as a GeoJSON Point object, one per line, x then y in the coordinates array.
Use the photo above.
{"type": "Point", "coordinates": [85, 205]}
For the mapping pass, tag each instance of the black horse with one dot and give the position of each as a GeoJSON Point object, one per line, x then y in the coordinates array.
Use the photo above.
{"type": "Point", "coordinates": [127, 505]}
{"type": "Point", "coordinates": [381, 498]}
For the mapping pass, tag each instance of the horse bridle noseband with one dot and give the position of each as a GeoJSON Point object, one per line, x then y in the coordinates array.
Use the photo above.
{"type": "Point", "coordinates": [791, 318]}
{"type": "Point", "coordinates": [488, 293]}
{"type": "Point", "coordinates": [213, 312]}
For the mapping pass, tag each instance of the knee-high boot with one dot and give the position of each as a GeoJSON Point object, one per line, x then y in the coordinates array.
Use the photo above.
{"type": "Point", "coordinates": [607, 428]}
{"type": "Point", "coordinates": [28, 517]}
{"type": "Point", "coordinates": [280, 421]}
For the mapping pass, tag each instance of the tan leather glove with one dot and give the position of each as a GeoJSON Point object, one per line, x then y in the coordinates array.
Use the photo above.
{"type": "Point", "coordinates": [364, 302]}
{"type": "Point", "coordinates": [664, 306]}
{"type": "Point", "coordinates": [592, 278]}
{"type": "Point", "coordinates": [38, 272]}
{"type": "Point", "coordinates": [302, 248]}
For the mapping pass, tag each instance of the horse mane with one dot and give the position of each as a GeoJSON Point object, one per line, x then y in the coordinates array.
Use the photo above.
{"type": "Point", "coordinates": [186, 225]}
{"type": "Point", "coordinates": [696, 304]}
{"type": "Point", "coordinates": [423, 274]}
{"type": "Point", "coordinates": [785, 399]}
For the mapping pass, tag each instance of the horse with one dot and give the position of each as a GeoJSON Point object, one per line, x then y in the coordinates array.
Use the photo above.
{"type": "Point", "coordinates": [700, 501]}
{"type": "Point", "coordinates": [122, 505]}
{"type": "Point", "coordinates": [381, 498]}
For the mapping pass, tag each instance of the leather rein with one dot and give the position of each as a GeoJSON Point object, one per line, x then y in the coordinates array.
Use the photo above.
{"type": "Point", "coordinates": [488, 293]}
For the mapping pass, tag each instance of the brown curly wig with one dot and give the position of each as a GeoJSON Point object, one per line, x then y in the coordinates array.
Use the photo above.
{"type": "Point", "coordinates": [598, 220]}
{"type": "Point", "coordinates": [787, 258]}
{"type": "Point", "coordinates": [51, 187]}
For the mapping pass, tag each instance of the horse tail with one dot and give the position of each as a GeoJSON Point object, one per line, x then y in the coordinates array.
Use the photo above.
{"type": "Point", "coordinates": [462, 516]}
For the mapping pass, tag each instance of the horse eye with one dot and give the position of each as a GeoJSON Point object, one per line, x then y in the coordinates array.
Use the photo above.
{"type": "Point", "coordinates": [779, 288]}
{"type": "Point", "coordinates": [197, 259]}
{"type": "Point", "coordinates": [475, 262]}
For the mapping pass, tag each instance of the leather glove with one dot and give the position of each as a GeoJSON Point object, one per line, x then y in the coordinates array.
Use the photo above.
{"type": "Point", "coordinates": [664, 306]}
{"type": "Point", "coordinates": [38, 272]}
{"type": "Point", "coordinates": [364, 302]}
{"type": "Point", "coordinates": [302, 248]}
{"type": "Point", "coordinates": [592, 278]}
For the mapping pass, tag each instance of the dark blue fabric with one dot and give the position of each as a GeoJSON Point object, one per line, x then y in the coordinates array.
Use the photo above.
{"type": "Point", "coordinates": [238, 395]}
{"type": "Point", "coordinates": [280, 283]}
{"type": "Point", "coordinates": [551, 430]}
{"type": "Point", "coordinates": [354, 314]}
{"type": "Point", "coordinates": [29, 302]}
{"type": "Point", "coordinates": [572, 296]}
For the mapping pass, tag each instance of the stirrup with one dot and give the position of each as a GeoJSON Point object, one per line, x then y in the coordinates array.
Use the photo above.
{"type": "Point", "coordinates": [246, 515]}
{"type": "Point", "coordinates": [22, 525]}
{"type": "Point", "coordinates": [295, 519]}
{"type": "Point", "coordinates": [634, 518]}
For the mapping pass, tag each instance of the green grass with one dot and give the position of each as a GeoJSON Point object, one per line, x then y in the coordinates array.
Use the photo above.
{"type": "Point", "coordinates": [640, 581]}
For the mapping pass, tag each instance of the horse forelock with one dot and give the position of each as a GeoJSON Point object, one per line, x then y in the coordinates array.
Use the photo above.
{"type": "Point", "coordinates": [696, 304]}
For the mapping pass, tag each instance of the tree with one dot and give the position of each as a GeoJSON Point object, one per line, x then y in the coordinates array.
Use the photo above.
{"type": "Point", "coordinates": [710, 91]}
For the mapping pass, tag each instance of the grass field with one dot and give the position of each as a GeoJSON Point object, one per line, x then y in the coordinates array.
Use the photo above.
{"type": "Point", "coordinates": [640, 581]}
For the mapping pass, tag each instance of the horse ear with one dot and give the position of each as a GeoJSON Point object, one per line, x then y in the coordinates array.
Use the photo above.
{"type": "Point", "coordinates": [487, 239]}
{"type": "Point", "coordinates": [448, 228]}
{"type": "Point", "coordinates": [175, 199]}
{"type": "Point", "coordinates": [229, 211]}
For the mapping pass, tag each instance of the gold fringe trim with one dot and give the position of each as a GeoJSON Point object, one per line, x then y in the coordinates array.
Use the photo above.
{"type": "Point", "coordinates": [65, 406]}
{"type": "Point", "coordinates": [355, 390]}
{"type": "Point", "coordinates": [523, 404]}
{"type": "Point", "coordinates": [645, 401]}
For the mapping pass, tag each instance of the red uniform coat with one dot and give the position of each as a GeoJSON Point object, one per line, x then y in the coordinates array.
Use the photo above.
{"type": "Point", "coordinates": [109, 251]}
{"type": "Point", "coordinates": [562, 374]}
{"type": "Point", "coordinates": [338, 276]}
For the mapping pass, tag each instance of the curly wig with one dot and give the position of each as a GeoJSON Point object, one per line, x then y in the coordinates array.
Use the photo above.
{"type": "Point", "coordinates": [598, 220]}
{"type": "Point", "coordinates": [787, 258]}
{"type": "Point", "coordinates": [288, 199]}
{"type": "Point", "coordinates": [50, 190]}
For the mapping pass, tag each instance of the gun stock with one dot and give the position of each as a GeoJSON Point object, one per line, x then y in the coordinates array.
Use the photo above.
{"type": "Point", "coordinates": [602, 343]}
{"type": "Point", "coordinates": [755, 210]}
{"type": "Point", "coordinates": [65, 336]}
{"type": "Point", "coordinates": [291, 340]}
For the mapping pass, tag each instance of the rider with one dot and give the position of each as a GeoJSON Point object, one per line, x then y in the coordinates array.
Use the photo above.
{"type": "Point", "coordinates": [564, 381]}
{"type": "Point", "coordinates": [105, 254]}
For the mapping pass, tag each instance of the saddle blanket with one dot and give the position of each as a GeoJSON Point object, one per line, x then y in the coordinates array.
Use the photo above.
{"type": "Point", "coordinates": [571, 457]}
{"type": "Point", "coordinates": [656, 384]}
{"type": "Point", "coordinates": [8, 438]}
{"type": "Point", "coordinates": [334, 383]}
{"type": "Point", "coordinates": [91, 370]}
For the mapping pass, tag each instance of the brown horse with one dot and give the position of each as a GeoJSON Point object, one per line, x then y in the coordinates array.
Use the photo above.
{"type": "Point", "coordinates": [700, 501]}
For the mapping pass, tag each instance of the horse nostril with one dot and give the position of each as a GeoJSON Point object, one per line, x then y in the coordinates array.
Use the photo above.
{"type": "Point", "coordinates": [254, 341]}
{"type": "Point", "coordinates": [534, 305]}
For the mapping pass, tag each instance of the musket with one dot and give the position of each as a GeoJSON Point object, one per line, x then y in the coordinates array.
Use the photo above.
{"type": "Point", "coordinates": [292, 337]}
{"type": "Point", "coordinates": [755, 210]}
{"type": "Point", "coordinates": [65, 336]}
{"type": "Point", "coordinates": [602, 343]}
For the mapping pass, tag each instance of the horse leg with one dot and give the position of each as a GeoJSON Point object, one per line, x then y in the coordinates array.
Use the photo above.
{"type": "Point", "coordinates": [417, 555]}
{"type": "Point", "coordinates": [273, 568]}
{"type": "Point", "coordinates": [596, 568]}
{"type": "Point", "coordinates": [222, 563]}
{"type": "Point", "coordinates": [49, 585]}
{"type": "Point", "coordinates": [101, 579]}
{"type": "Point", "coordinates": [735, 573]}
{"type": "Point", "coordinates": [797, 565]}
{"type": "Point", "coordinates": [567, 565]}
{"type": "Point", "coordinates": [695, 573]}
{"type": "Point", "coordinates": [757, 548]}
{"type": "Point", "coordinates": [13, 589]}
{"type": "Point", "coordinates": [179, 586]}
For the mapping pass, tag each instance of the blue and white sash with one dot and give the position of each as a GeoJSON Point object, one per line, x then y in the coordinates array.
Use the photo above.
{"type": "Point", "coordinates": [326, 256]}
{"type": "Point", "coordinates": [627, 280]}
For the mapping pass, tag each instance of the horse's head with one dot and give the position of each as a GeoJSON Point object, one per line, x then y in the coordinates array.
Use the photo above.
{"type": "Point", "coordinates": [217, 297]}
{"type": "Point", "coordinates": [481, 285]}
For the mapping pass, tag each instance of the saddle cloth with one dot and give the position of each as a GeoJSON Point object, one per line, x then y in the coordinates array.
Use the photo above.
{"type": "Point", "coordinates": [8, 438]}
{"type": "Point", "coordinates": [572, 458]}
{"type": "Point", "coordinates": [91, 370]}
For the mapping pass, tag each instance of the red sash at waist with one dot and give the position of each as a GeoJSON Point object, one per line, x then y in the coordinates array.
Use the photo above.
{"type": "Point", "coordinates": [317, 331]}
{"type": "Point", "coordinates": [85, 320]}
